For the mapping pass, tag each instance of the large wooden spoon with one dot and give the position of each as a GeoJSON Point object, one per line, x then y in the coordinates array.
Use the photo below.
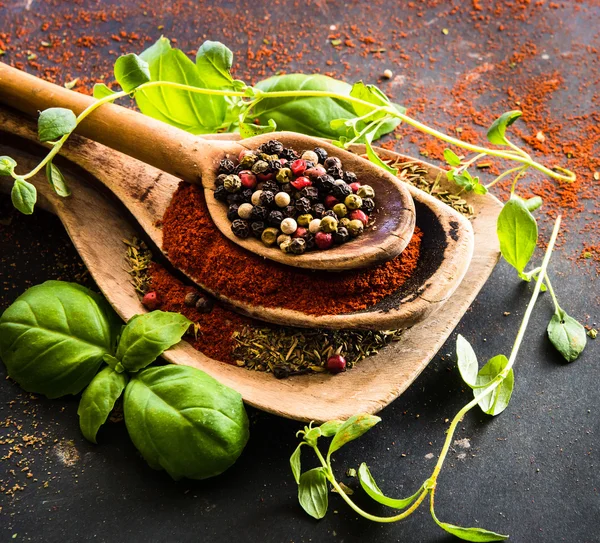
{"type": "Point", "coordinates": [196, 159]}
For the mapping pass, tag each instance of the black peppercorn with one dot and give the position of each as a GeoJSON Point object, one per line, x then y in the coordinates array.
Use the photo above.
{"type": "Point", "coordinates": [321, 153]}
{"type": "Point", "coordinates": [289, 154]}
{"type": "Point", "coordinates": [310, 164]}
{"type": "Point", "coordinates": [220, 180]}
{"type": "Point", "coordinates": [234, 198]}
{"type": "Point", "coordinates": [310, 241]}
{"type": "Point", "coordinates": [232, 212]}
{"type": "Point", "coordinates": [298, 246]}
{"type": "Point", "coordinates": [271, 186]}
{"type": "Point", "coordinates": [312, 193]}
{"type": "Point", "coordinates": [221, 194]}
{"type": "Point", "coordinates": [275, 165]}
{"type": "Point", "coordinates": [267, 198]}
{"type": "Point", "coordinates": [303, 205]}
{"type": "Point", "coordinates": [289, 212]}
{"type": "Point", "coordinates": [341, 236]}
{"type": "Point", "coordinates": [226, 166]}
{"type": "Point", "coordinates": [240, 228]}
{"type": "Point", "coordinates": [191, 298]}
{"type": "Point", "coordinates": [257, 228]}
{"type": "Point", "coordinates": [368, 205]}
{"type": "Point", "coordinates": [341, 190]}
{"type": "Point", "coordinates": [332, 161]}
{"type": "Point", "coordinates": [330, 213]}
{"type": "Point", "coordinates": [288, 188]}
{"type": "Point", "coordinates": [335, 172]}
{"type": "Point", "coordinates": [274, 218]}
{"type": "Point", "coordinates": [318, 210]}
{"type": "Point", "coordinates": [258, 213]}
{"type": "Point", "coordinates": [245, 195]}
{"type": "Point", "coordinates": [272, 147]}
{"type": "Point", "coordinates": [325, 183]}
{"type": "Point", "coordinates": [204, 304]}
{"type": "Point", "coordinates": [350, 177]}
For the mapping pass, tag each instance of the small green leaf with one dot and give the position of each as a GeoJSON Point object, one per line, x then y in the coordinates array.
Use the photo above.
{"type": "Point", "coordinates": [98, 400]}
{"type": "Point", "coordinates": [371, 94]}
{"type": "Point", "coordinates": [498, 129]}
{"type": "Point", "coordinates": [102, 91]}
{"type": "Point", "coordinates": [353, 428]}
{"type": "Point", "coordinates": [131, 71]}
{"type": "Point", "coordinates": [467, 361]}
{"type": "Point", "coordinates": [479, 188]}
{"type": "Point", "coordinates": [295, 463]}
{"type": "Point", "coordinates": [374, 158]}
{"type": "Point", "coordinates": [214, 61]}
{"type": "Point", "coordinates": [56, 122]}
{"type": "Point", "coordinates": [370, 487]}
{"type": "Point", "coordinates": [7, 165]}
{"type": "Point", "coordinates": [312, 436]}
{"type": "Point", "coordinates": [567, 335]}
{"type": "Point", "coordinates": [312, 492]}
{"type": "Point", "coordinates": [330, 427]}
{"type": "Point", "coordinates": [493, 403]}
{"type": "Point", "coordinates": [472, 534]}
{"type": "Point", "coordinates": [517, 231]}
{"type": "Point", "coordinates": [23, 196]}
{"type": "Point", "coordinates": [56, 180]}
{"type": "Point", "coordinates": [247, 130]}
{"type": "Point", "coordinates": [451, 157]}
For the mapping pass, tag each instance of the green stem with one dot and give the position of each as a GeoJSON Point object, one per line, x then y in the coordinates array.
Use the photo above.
{"type": "Point", "coordinates": [468, 163]}
{"type": "Point", "coordinates": [520, 174]}
{"type": "Point", "coordinates": [557, 307]}
{"type": "Point", "coordinates": [503, 175]}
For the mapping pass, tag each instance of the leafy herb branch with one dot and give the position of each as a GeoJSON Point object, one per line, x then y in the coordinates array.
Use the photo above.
{"type": "Point", "coordinates": [492, 387]}
{"type": "Point", "coordinates": [168, 86]}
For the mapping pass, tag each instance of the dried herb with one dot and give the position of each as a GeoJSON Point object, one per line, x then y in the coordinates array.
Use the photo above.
{"type": "Point", "coordinates": [139, 258]}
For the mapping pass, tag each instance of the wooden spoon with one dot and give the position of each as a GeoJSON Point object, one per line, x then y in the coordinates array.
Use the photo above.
{"type": "Point", "coordinates": [196, 160]}
{"type": "Point", "coordinates": [446, 248]}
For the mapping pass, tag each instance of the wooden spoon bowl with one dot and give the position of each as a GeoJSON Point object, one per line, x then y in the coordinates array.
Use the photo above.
{"type": "Point", "coordinates": [196, 160]}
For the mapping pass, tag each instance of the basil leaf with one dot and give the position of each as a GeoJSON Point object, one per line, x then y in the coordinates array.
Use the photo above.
{"type": "Point", "coordinates": [330, 427]}
{"type": "Point", "coordinates": [495, 402]}
{"type": "Point", "coordinates": [56, 122]}
{"type": "Point", "coordinates": [312, 492]}
{"type": "Point", "coordinates": [309, 115]}
{"type": "Point", "coordinates": [193, 112]}
{"type": "Point", "coordinates": [471, 534]}
{"type": "Point", "coordinates": [371, 94]}
{"type": "Point", "coordinates": [354, 427]}
{"type": "Point", "coordinates": [498, 129]}
{"type": "Point", "coordinates": [56, 180]}
{"type": "Point", "coordinates": [7, 165]}
{"type": "Point", "coordinates": [567, 335]}
{"type": "Point", "coordinates": [184, 421]}
{"type": "Point", "coordinates": [214, 61]}
{"type": "Point", "coordinates": [53, 337]}
{"type": "Point", "coordinates": [101, 91]}
{"type": "Point", "coordinates": [131, 71]}
{"type": "Point", "coordinates": [295, 463]}
{"type": "Point", "coordinates": [98, 400]}
{"type": "Point", "coordinates": [23, 196]}
{"type": "Point", "coordinates": [517, 231]}
{"type": "Point", "coordinates": [467, 361]}
{"type": "Point", "coordinates": [451, 157]}
{"type": "Point", "coordinates": [373, 491]}
{"type": "Point", "coordinates": [147, 336]}
{"type": "Point", "coordinates": [247, 130]}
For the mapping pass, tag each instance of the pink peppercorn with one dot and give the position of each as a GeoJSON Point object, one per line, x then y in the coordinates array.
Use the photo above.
{"type": "Point", "coordinates": [248, 179]}
{"type": "Point", "coordinates": [359, 215]}
{"type": "Point", "coordinates": [331, 201]}
{"type": "Point", "coordinates": [315, 172]}
{"type": "Point", "coordinates": [298, 167]}
{"type": "Point", "coordinates": [300, 182]}
{"type": "Point", "coordinates": [151, 301]}
{"type": "Point", "coordinates": [336, 363]}
{"type": "Point", "coordinates": [300, 232]}
{"type": "Point", "coordinates": [323, 240]}
{"type": "Point", "coordinates": [355, 187]}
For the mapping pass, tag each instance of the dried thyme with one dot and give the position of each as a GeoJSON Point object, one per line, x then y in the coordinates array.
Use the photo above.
{"type": "Point", "coordinates": [139, 259]}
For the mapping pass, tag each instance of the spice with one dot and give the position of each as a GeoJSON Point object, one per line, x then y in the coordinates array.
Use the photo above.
{"type": "Point", "coordinates": [336, 363]}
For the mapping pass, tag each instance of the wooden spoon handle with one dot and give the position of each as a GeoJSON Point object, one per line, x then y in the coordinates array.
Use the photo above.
{"type": "Point", "coordinates": [153, 142]}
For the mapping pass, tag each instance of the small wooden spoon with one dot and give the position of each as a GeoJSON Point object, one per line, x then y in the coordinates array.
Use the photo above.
{"type": "Point", "coordinates": [196, 160]}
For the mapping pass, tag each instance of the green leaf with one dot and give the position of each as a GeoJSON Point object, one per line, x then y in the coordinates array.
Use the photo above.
{"type": "Point", "coordinates": [131, 71]}
{"type": "Point", "coordinates": [190, 111]}
{"type": "Point", "coordinates": [517, 231]}
{"type": "Point", "coordinates": [467, 361]}
{"type": "Point", "coordinates": [214, 61]}
{"type": "Point", "coordinates": [451, 157]}
{"type": "Point", "coordinates": [102, 91]}
{"type": "Point", "coordinates": [295, 463]}
{"type": "Point", "coordinates": [56, 122]}
{"type": "Point", "coordinates": [498, 129]}
{"type": "Point", "coordinates": [184, 421]}
{"type": "Point", "coordinates": [312, 436]}
{"type": "Point", "coordinates": [312, 492]}
{"type": "Point", "coordinates": [371, 94]}
{"type": "Point", "coordinates": [567, 335]}
{"type": "Point", "coordinates": [330, 427]}
{"type": "Point", "coordinates": [533, 203]}
{"type": "Point", "coordinates": [471, 534]}
{"type": "Point", "coordinates": [495, 402]}
{"type": "Point", "coordinates": [353, 428]}
{"type": "Point", "coordinates": [247, 130]}
{"type": "Point", "coordinates": [370, 487]}
{"type": "Point", "coordinates": [310, 115]}
{"type": "Point", "coordinates": [374, 158]}
{"type": "Point", "coordinates": [7, 165]}
{"type": "Point", "coordinates": [23, 196]}
{"type": "Point", "coordinates": [479, 188]}
{"type": "Point", "coordinates": [147, 336]}
{"type": "Point", "coordinates": [53, 337]}
{"type": "Point", "coordinates": [56, 180]}
{"type": "Point", "coordinates": [98, 400]}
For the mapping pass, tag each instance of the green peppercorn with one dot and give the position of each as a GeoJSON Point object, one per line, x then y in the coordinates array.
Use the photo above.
{"type": "Point", "coordinates": [366, 191]}
{"type": "Point", "coordinates": [304, 220]}
{"type": "Point", "coordinates": [284, 176]}
{"type": "Point", "coordinates": [328, 224]}
{"type": "Point", "coordinates": [248, 160]}
{"type": "Point", "coordinates": [286, 245]}
{"type": "Point", "coordinates": [353, 201]}
{"type": "Point", "coordinates": [260, 166]}
{"type": "Point", "coordinates": [269, 236]}
{"type": "Point", "coordinates": [355, 228]}
{"type": "Point", "coordinates": [345, 221]}
{"type": "Point", "coordinates": [297, 246]}
{"type": "Point", "coordinates": [232, 183]}
{"type": "Point", "coordinates": [283, 237]}
{"type": "Point", "coordinates": [340, 210]}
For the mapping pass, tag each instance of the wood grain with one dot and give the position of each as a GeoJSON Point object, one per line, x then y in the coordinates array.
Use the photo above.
{"type": "Point", "coordinates": [97, 224]}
